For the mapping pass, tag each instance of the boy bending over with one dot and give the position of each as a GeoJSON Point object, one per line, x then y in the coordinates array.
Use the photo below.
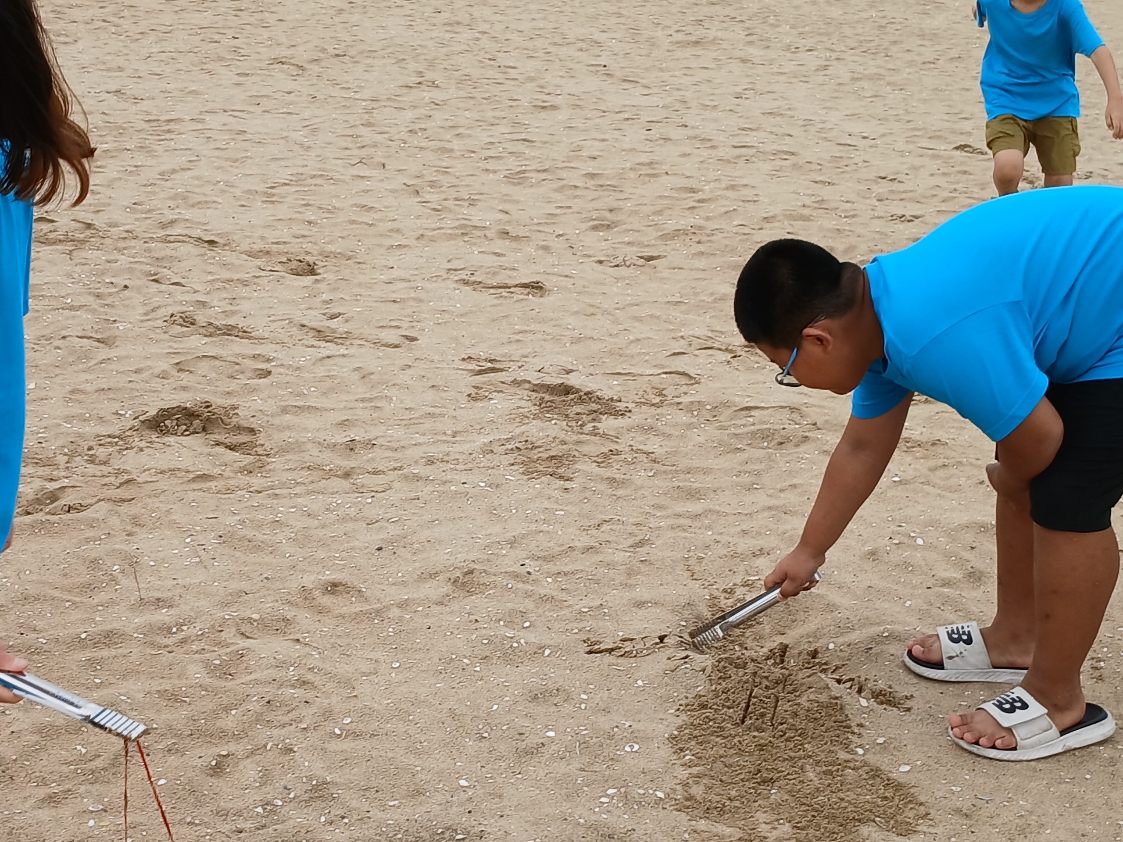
{"type": "Point", "coordinates": [1012, 314]}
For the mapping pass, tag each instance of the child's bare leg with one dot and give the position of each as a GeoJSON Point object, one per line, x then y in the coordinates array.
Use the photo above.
{"type": "Point", "coordinates": [1075, 573]}
{"type": "Point", "coordinates": [1009, 638]}
{"type": "Point", "coordinates": [1009, 164]}
{"type": "Point", "coordinates": [1058, 181]}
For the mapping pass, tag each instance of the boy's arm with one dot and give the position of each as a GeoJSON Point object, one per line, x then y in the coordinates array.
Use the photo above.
{"type": "Point", "coordinates": [1026, 452]}
{"type": "Point", "coordinates": [1105, 66]}
{"type": "Point", "coordinates": [853, 471]}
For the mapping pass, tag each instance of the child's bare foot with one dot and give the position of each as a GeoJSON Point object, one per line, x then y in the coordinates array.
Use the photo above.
{"type": "Point", "coordinates": [980, 727]}
{"type": "Point", "coordinates": [1006, 651]}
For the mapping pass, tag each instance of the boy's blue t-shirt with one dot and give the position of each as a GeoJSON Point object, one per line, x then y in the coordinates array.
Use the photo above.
{"type": "Point", "coordinates": [15, 275]}
{"type": "Point", "coordinates": [986, 310]}
{"type": "Point", "coordinates": [1029, 67]}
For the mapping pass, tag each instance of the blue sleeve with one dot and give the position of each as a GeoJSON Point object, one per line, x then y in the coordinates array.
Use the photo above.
{"type": "Point", "coordinates": [15, 252]}
{"type": "Point", "coordinates": [983, 368]}
{"type": "Point", "coordinates": [1085, 39]}
{"type": "Point", "coordinates": [876, 394]}
{"type": "Point", "coordinates": [12, 395]}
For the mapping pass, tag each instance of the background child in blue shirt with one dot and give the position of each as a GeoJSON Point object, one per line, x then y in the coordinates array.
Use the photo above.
{"type": "Point", "coordinates": [1029, 85]}
{"type": "Point", "coordinates": [37, 138]}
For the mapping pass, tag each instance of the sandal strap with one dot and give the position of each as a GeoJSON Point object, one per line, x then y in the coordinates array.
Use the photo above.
{"type": "Point", "coordinates": [1017, 710]}
{"type": "Point", "coordinates": [962, 647]}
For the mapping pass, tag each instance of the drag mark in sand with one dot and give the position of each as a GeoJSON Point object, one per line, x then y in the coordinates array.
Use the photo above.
{"type": "Point", "coordinates": [534, 289]}
{"type": "Point", "coordinates": [626, 647]}
{"type": "Point", "coordinates": [769, 748]}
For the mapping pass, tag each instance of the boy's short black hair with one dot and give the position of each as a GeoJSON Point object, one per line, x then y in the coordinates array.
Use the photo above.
{"type": "Point", "coordinates": [787, 285]}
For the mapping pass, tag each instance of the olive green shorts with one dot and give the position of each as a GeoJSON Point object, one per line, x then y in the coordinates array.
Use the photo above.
{"type": "Point", "coordinates": [1055, 138]}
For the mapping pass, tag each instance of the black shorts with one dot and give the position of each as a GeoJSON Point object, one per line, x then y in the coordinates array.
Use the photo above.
{"type": "Point", "coordinates": [1085, 479]}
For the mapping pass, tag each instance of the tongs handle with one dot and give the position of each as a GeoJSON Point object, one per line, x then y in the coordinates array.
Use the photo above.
{"type": "Point", "coordinates": [49, 695]}
{"type": "Point", "coordinates": [734, 618]}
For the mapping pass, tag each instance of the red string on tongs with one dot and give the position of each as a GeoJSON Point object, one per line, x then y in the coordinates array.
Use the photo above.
{"type": "Point", "coordinates": [151, 783]}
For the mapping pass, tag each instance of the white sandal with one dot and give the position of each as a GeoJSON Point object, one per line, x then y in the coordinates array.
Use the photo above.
{"type": "Point", "coordinates": [965, 658]}
{"type": "Point", "coordinates": [1035, 732]}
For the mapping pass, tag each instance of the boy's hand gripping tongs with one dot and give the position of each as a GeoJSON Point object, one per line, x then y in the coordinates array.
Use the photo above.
{"type": "Point", "coordinates": [37, 690]}
{"type": "Point", "coordinates": [710, 633]}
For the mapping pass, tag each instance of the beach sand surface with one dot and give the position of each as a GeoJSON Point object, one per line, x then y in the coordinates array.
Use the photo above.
{"type": "Point", "coordinates": [389, 429]}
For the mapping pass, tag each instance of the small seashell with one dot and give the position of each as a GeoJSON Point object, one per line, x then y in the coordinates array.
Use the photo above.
{"type": "Point", "coordinates": [631, 747]}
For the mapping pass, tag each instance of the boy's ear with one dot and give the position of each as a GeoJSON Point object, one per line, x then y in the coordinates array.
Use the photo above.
{"type": "Point", "coordinates": [820, 335]}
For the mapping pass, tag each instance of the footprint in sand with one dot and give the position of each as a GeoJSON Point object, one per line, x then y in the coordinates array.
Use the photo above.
{"type": "Point", "coordinates": [210, 367]}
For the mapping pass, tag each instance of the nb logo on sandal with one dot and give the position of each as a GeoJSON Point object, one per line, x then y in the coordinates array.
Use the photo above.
{"type": "Point", "coordinates": [1010, 703]}
{"type": "Point", "coordinates": [960, 634]}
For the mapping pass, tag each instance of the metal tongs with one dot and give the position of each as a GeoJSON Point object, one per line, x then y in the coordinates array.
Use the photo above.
{"type": "Point", "coordinates": [708, 634]}
{"type": "Point", "coordinates": [49, 695]}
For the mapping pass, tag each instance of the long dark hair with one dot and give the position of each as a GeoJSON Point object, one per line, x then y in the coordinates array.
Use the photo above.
{"type": "Point", "coordinates": [35, 122]}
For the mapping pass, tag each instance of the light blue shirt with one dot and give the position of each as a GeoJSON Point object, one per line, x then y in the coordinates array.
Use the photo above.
{"type": "Point", "coordinates": [986, 310]}
{"type": "Point", "coordinates": [15, 275]}
{"type": "Point", "coordinates": [1029, 67]}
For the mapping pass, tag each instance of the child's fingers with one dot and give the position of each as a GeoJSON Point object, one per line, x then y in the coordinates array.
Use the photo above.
{"type": "Point", "coordinates": [9, 662]}
{"type": "Point", "coordinates": [7, 697]}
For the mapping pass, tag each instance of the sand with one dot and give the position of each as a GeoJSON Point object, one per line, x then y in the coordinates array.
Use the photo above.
{"type": "Point", "coordinates": [390, 427]}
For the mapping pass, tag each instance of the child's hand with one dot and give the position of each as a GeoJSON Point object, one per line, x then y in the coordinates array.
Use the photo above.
{"type": "Point", "coordinates": [795, 572]}
{"type": "Point", "coordinates": [10, 663]}
{"type": "Point", "coordinates": [1114, 118]}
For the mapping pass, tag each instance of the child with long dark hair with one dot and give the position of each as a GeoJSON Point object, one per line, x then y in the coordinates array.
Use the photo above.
{"type": "Point", "coordinates": [38, 142]}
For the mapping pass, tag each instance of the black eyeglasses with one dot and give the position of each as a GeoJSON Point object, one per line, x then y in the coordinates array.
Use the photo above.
{"type": "Point", "coordinates": [785, 378]}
